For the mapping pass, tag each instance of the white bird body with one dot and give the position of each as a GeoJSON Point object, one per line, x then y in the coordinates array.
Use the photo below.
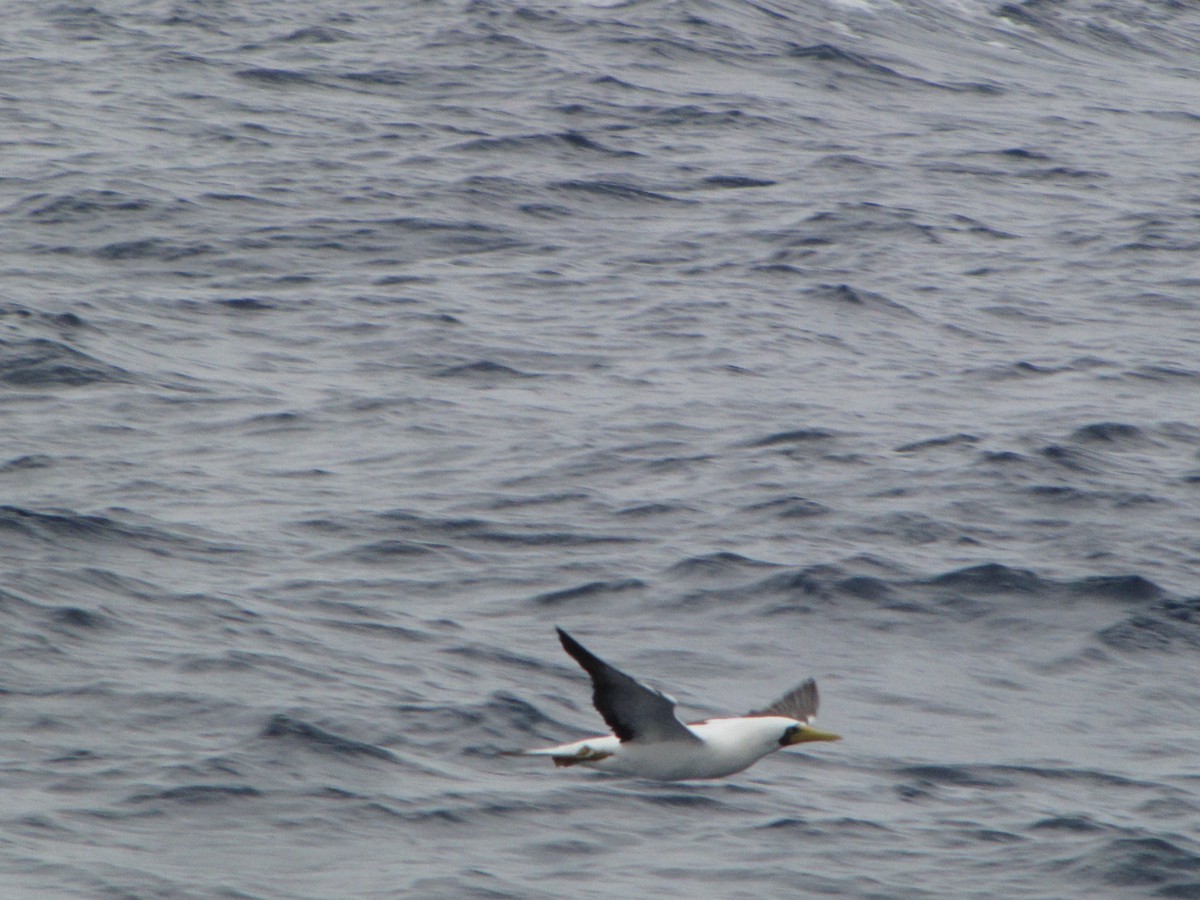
{"type": "Point", "coordinates": [648, 741]}
{"type": "Point", "coordinates": [726, 746]}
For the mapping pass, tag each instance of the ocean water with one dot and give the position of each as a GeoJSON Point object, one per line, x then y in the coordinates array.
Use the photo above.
{"type": "Point", "coordinates": [346, 349]}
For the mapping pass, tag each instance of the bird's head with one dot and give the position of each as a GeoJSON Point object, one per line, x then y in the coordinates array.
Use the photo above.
{"type": "Point", "coordinates": [799, 733]}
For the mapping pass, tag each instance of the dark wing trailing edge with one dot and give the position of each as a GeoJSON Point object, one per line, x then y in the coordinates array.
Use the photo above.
{"type": "Point", "coordinates": [800, 703]}
{"type": "Point", "coordinates": [632, 710]}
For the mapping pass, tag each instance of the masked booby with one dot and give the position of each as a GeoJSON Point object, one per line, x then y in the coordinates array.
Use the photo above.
{"type": "Point", "coordinates": [648, 741]}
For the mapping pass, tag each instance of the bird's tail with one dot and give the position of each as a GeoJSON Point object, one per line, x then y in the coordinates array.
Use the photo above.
{"type": "Point", "coordinates": [565, 755]}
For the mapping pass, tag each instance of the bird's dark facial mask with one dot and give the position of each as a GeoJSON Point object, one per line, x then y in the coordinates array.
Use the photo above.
{"type": "Point", "coordinates": [801, 734]}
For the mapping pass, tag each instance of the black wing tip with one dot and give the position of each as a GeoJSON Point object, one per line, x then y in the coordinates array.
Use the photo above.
{"type": "Point", "coordinates": [578, 652]}
{"type": "Point", "coordinates": [567, 641]}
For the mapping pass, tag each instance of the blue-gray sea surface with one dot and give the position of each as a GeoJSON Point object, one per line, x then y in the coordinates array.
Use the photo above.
{"type": "Point", "coordinates": [347, 348]}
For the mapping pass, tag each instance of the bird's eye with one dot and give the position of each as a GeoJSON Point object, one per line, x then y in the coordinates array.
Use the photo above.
{"type": "Point", "coordinates": [787, 735]}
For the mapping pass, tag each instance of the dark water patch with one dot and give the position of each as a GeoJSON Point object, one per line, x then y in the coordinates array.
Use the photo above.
{"type": "Point", "coordinates": [616, 190]}
{"type": "Point", "coordinates": [991, 835]}
{"type": "Point", "coordinates": [796, 584]}
{"type": "Point", "coordinates": [828, 53]}
{"type": "Point", "coordinates": [62, 323]}
{"type": "Point", "coordinates": [1003, 457]}
{"type": "Point", "coordinates": [670, 464]}
{"type": "Point", "coordinates": [1069, 458]}
{"type": "Point", "coordinates": [63, 525]}
{"type": "Point", "coordinates": [846, 162]}
{"type": "Point", "coordinates": [317, 34]}
{"type": "Point", "coordinates": [1189, 890]}
{"type": "Point", "coordinates": [198, 794]}
{"type": "Point", "coordinates": [990, 578]}
{"type": "Point", "coordinates": [1020, 14]}
{"type": "Point", "coordinates": [312, 737]}
{"type": "Point", "coordinates": [1059, 493]}
{"type": "Point", "coordinates": [1170, 624]}
{"type": "Point", "coordinates": [793, 825]}
{"type": "Point", "coordinates": [538, 500]}
{"type": "Point", "coordinates": [580, 141]}
{"type": "Point", "coordinates": [847, 294]}
{"type": "Point", "coordinates": [404, 238]}
{"type": "Point", "coordinates": [860, 221]}
{"type": "Point", "coordinates": [984, 88]}
{"type": "Point", "coordinates": [551, 538]}
{"type": "Point", "coordinates": [585, 593]}
{"type": "Point", "coordinates": [1020, 153]}
{"type": "Point", "coordinates": [1145, 633]}
{"type": "Point", "coordinates": [405, 278]}
{"type": "Point", "coordinates": [1164, 373]}
{"type": "Point", "coordinates": [384, 77]}
{"type": "Point", "coordinates": [1161, 243]}
{"type": "Point", "coordinates": [484, 370]}
{"type": "Point", "coordinates": [236, 661]}
{"type": "Point", "coordinates": [736, 181]}
{"type": "Point", "coordinates": [1021, 368]}
{"type": "Point", "coordinates": [381, 629]}
{"type": "Point", "coordinates": [246, 304]}
{"type": "Point", "coordinates": [950, 440]}
{"type": "Point", "coordinates": [546, 210]}
{"type": "Point", "coordinates": [719, 564]}
{"type": "Point", "coordinates": [423, 526]}
{"type": "Point", "coordinates": [955, 776]}
{"type": "Point", "coordinates": [1121, 588]}
{"type": "Point", "coordinates": [789, 508]}
{"type": "Point", "coordinates": [865, 587]}
{"type": "Point", "coordinates": [1059, 173]}
{"type": "Point", "coordinates": [1094, 778]}
{"type": "Point", "coordinates": [85, 205]}
{"type": "Point", "coordinates": [41, 825]}
{"type": "Point", "coordinates": [571, 140]}
{"type": "Point", "coordinates": [388, 551]}
{"type": "Point", "coordinates": [76, 617]}
{"type": "Point", "coordinates": [795, 436]}
{"type": "Point", "coordinates": [780, 269]}
{"type": "Point", "coordinates": [494, 656]}
{"type": "Point", "coordinates": [690, 114]}
{"type": "Point", "coordinates": [1107, 433]}
{"type": "Point", "coordinates": [76, 756]}
{"type": "Point", "coordinates": [275, 77]}
{"type": "Point", "coordinates": [1170, 808]}
{"type": "Point", "coordinates": [126, 587]}
{"type": "Point", "coordinates": [825, 828]}
{"type": "Point", "coordinates": [45, 363]}
{"type": "Point", "coordinates": [685, 801]}
{"type": "Point", "coordinates": [911, 528]}
{"type": "Point", "coordinates": [1073, 496]}
{"type": "Point", "coordinates": [274, 422]}
{"type": "Point", "coordinates": [1171, 868]}
{"type": "Point", "coordinates": [1081, 824]}
{"type": "Point", "coordinates": [568, 847]}
{"type": "Point", "coordinates": [152, 248]}
{"type": "Point", "coordinates": [502, 716]}
{"type": "Point", "coordinates": [648, 510]}
{"type": "Point", "coordinates": [26, 463]}
{"type": "Point", "coordinates": [835, 59]}
{"type": "Point", "coordinates": [975, 227]}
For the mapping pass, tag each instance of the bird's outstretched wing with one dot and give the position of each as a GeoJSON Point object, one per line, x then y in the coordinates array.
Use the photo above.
{"type": "Point", "coordinates": [633, 711]}
{"type": "Point", "coordinates": [800, 703]}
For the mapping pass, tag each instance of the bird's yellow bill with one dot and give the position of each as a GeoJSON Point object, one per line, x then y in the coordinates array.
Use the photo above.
{"type": "Point", "coordinates": [803, 734]}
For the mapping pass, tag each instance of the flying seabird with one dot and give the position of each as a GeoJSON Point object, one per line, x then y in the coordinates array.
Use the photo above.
{"type": "Point", "coordinates": [648, 741]}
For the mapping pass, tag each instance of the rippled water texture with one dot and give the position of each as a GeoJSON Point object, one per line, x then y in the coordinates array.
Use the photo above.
{"type": "Point", "coordinates": [345, 349]}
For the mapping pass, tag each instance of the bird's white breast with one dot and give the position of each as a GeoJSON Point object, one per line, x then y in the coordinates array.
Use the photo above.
{"type": "Point", "coordinates": [726, 746]}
